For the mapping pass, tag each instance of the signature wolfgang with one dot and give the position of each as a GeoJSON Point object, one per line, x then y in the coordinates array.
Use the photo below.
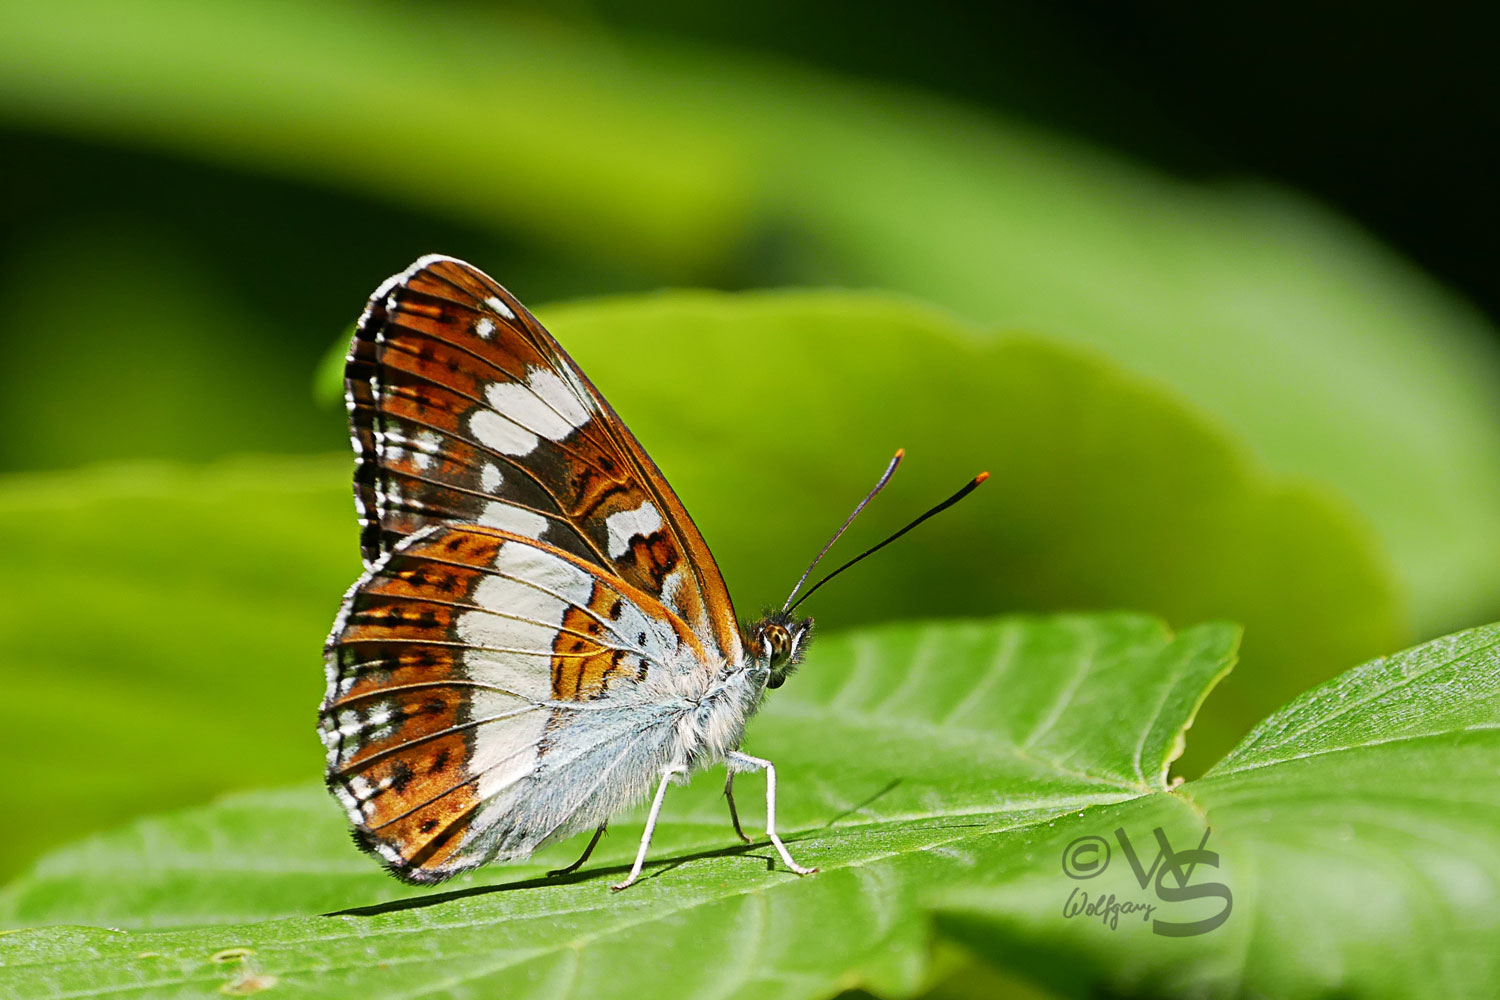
{"type": "Point", "coordinates": [1170, 876]}
{"type": "Point", "coordinates": [1106, 908]}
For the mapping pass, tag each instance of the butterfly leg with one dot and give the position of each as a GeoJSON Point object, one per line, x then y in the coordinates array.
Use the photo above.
{"type": "Point", "coordinates": [640, 856]}
{"type": "Point", "coordinates": [734, 815]}
{"type": "Point", "coordinates": [593, 841]}
{"type": "Point", "coordinates": [745, 762]}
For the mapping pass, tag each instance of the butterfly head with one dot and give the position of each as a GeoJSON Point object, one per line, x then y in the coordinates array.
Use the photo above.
{"type": "Point", "coordinates": [778, 641]}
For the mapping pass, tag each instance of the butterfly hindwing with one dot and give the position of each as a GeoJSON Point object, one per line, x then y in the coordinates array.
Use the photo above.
{"type": "Point", "coordinates": [463, 409]}
{"type": "Point", "coordinates": [488, 693]}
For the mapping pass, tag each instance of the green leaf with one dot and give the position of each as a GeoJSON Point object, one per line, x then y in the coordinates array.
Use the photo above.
{"type": "Point", "coordinates": [1358, 829]}
{"type": "Point", "coordinates": [1330, 358]}
{"type": "Point", "coordinates": [195, 601]}
{"type": "Point", "coordinates": [900, 751]}
{"type": "Point", "coordinates": [944, 767]}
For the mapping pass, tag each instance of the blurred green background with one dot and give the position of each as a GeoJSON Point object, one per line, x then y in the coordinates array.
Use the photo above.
{"type": "Point", "coordinates": [1210, 292]}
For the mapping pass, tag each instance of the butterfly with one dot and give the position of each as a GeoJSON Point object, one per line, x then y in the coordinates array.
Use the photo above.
{"type": "Point", "coordinates": [540, 636]}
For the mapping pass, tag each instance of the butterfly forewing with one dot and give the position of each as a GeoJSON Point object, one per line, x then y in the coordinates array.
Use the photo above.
{"type": "Point", "coordinates": [463, 409]}
{"type": "Point", "coordinates": [485, 690]}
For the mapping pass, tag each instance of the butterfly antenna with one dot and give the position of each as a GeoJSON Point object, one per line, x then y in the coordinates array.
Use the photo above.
{"type": "Point", "coordinates": [885, 477]}
{"type": "Point", "coordinates": [968, 488]}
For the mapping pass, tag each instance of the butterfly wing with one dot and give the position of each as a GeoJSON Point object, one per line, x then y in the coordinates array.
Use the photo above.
{"type": "Point", "coordinates": [463, 408]}
{"type": "Point", "coordinates": [488, 693]}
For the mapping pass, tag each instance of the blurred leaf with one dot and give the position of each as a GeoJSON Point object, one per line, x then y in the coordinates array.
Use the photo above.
{"type": "Point", "coordinates": [1107, 493]}
{"type": "Point", "coordinates": [901, 752]}
{"type": "Point", "coordinates": [949, 765]}
{"type": "Point", "coordinates": [287, 87]}
{"type": "Point", "coordinates": [328, 379]}
{"type": "Point", "coordinates": [1333, 361]}
{"type": "Point", "coordinates": [206, 594]}
{"type": "Point", "coordinates": [160, 631]}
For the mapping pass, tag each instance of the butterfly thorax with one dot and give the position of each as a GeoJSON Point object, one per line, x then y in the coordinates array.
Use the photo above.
{"type": "Point", "coordinates": [777, 643]}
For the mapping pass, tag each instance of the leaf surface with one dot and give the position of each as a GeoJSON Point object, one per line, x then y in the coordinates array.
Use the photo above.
{"type": "Point", "coordinates": [901, 752]}
{"type": "Point", "coordinates": [939, 769]}
{"type": "Point", "coordinates": [1358, 830]}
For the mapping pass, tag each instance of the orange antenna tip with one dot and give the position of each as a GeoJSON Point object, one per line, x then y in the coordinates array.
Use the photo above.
{"type": "Point", "coordinates": [981, 477]}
